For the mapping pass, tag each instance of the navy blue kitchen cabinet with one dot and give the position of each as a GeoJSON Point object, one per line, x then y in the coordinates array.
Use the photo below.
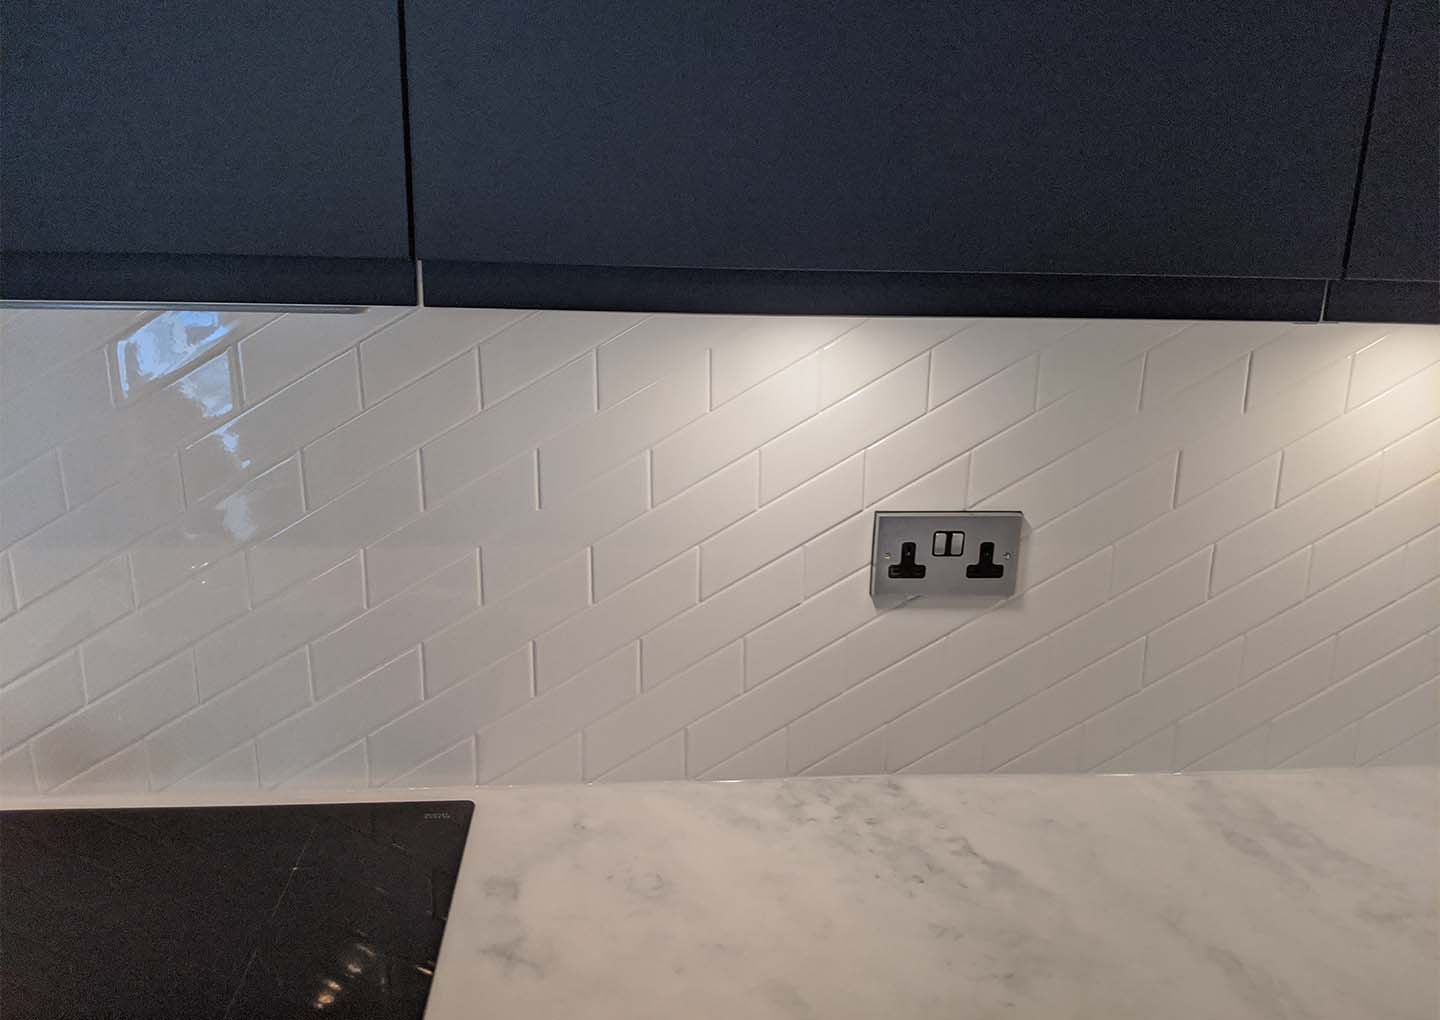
{"type": "Point", "coordinates": [205, 150]}
{"type": "Point", "coordinates": [1397, 219]}
{"type": "Point", "coordinates": [918, 140]}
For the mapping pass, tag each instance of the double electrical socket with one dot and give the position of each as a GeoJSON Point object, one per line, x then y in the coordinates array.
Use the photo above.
{"type": "Point", "coordinates": [937, 553]}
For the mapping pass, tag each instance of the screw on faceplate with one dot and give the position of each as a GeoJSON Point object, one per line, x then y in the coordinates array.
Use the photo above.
{"type": "Point", "coordinates": [1007, 556]}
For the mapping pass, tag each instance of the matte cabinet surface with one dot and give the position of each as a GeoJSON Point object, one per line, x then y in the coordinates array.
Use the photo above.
{"type": "Point", "coordinates": [139, 139]}
{"type": "Point", "coordinates": [1397, 221]}
{"type": "Point", "coordinates": [1026, 136]}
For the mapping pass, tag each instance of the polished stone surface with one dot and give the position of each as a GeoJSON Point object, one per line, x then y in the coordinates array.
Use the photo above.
{"type": "Point", "coordinates": [1305, 895]}
{"type": "Point", "coordinates": [1285, 895]}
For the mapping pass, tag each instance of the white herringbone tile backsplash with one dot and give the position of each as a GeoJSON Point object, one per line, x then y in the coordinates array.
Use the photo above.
{"type": "Point", "coordinates": [491, 546]}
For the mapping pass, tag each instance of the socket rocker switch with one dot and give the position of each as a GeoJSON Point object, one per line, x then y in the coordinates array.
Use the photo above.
{"type": "Point", "coordinates": [945, 553]}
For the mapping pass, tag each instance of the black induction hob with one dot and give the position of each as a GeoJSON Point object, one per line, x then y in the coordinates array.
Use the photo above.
{"type": "Point", "coordinates": [230, 913]}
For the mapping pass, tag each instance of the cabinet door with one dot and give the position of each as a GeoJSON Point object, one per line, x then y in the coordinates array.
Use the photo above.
{"type": "Point", "coordinates": [1397, 221]}
{"type": "Point", "coordinates": [1015, 136]}
{"type": "Point", "coordinates": [161, 131]}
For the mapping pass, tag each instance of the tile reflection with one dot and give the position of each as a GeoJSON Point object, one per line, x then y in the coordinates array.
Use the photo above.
{"type": "Point", "coordinates": [168, 342]}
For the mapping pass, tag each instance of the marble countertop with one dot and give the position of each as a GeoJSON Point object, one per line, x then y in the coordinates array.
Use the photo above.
{"type": "Point", "coordinates": [1308, 895]}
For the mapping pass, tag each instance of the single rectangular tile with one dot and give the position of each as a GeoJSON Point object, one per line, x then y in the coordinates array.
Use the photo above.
{"type": "Point", "coordinates": [1403, 352]}
{"type": "Point", "coordinates": [293, 344]}
{"type": "Point", "coordinates": [156, 631]}
{"type": "Point", "coordinates": [780, 526]}
{"type": "Point", "coordinates": [1060, 754]}
{"type": "Point", "coordinates": [1295, 524]}
{"type": "Point", "coordinates": [1324, 613]}
{"type": "Point", "coordinates": [540, 343]}
{"type": "Point", "coordinates": [272, 430]}
{"type": "Point", "coordinates": [470, 517]}
{"type": "Point", "coordinates": [498, 628]}
{"type": "Point", "coordinates": [1244, 753]}
{"type": "Point", "coordinates": [53, 409]}
{"type": "Point", "coordinates": [317, 541]}
{"type": "Point", "coordinates": [1233, 446]}
{"type": "Point", "coordinates": [1104, 460]}
{"type": "Point", "coordinates": [1055, 430]}
{"type": "Point", "coordinates": [391, 428]}
{"type": "Point", "coordinates": [1343, 703]}
{"type": "Point", "coordinates": [876, 346]}
{"type": "Point", "coordinates": [1196, 524]}
{"type": "Point", "coordinates": [343, 718]}
{"type": "Point", "coordinates": [1253, 704]}
{"type": "Point", "coordinates": [46, 696]}
{"type": "Point", "coordinates": [1092, 353]}
{"type": "Point", "coordinates": [237, 769]}
{"type": "Point", "coordinates": [1363, 431]}
{"type": "Point", "coordinates": [835, 433]}
{"type": "Point", "coordinates": [736, 428]}
{"type": "Point", "coordinates": [949, 430]}
{"type": "Point", "coordinates": [735, 612]}
{"type": "Point", "coordinates": [449, 716]}
{"type": "Point", "coordinates": [1399, 520]}
{"type": "Point", "coordinates": [1115, 513]}
{"type": "Point", "coordinates": [558, 764]}
{"type": "Point", "coordinates": [664, 710]}
{"type": "Point", "coordinates": [618, 620]}
{"type": "Point", "coordinates": [618, 433]}
{"type": "Point", "coordinates": [988, 346]}
{"type": "Point", "coordinates": [346, 769]}
{"type": "Point", "coordinates": [676, 525]}
{"type": "Point", "coordinates": [1411, 460]}
{"type": "Point", "coordinates": [121, 773]}
{"type": "Point", "coordinates": [508, 428]}
{"type": "Point", "coordinates": [233, 717]}
{"type": "Point", "coordinates": [37, 341]}
{"type": "Point", "coordinates": [452, 767]}
{"type": "Point", "coordinates": [763, 349]}
{"type": "Point", "coordinates": [425, 339]}
{"type": "Point", "coordinates": [1293, 357]}
{"type": "Point", "coordinates": [17, 773]}
{"type": "Point", "coordinates": [958, 756]}
{"type": "Point", "coordinates": [865, 757]}
{"type": "Point", "coordinates": [1232, 613]}
{"type": "Point", "coordinates": [1199, 350]}
{"type": "Point", "coordinates": [1334, 751]}
{"type": "Point", "coordinates": [838, 553]}
{"type": "Point", "coordinates": [660, 346]}
{"type": "Point", "coordinates": [214, 528]}
{"type": "Point", "coordinates": [764, 759]}
{"type": "Point", "coordinates": [263, 635]}
{"type": "Point", "coordinates": [110, 724]}
{"type": "Point", "coordinates": [97, 530]}
{"type": "Point", "coordinates": [57, 622]}
{"type": "Point", "coordinates": [170, 341]}
{"type": "Point", "coordinates": [1398, 721]}
{"type": "Point", "coordinates": [30, 498]}
{"type": "Point", "coordinates": [810, 626]}
{"type": "Point", "coordinates": [168, 418]}
{"type": "Point", "coordinates": [1158, 706]}
{"type": "Point", "coordinates": [664, 761]}
{"type": "Point", "coordinates": [547, 720]}
{"type": "Point", "coordinates": [1421, 749]}
{"type": "Point", "coordinates": [383, 632]}
{"type": "Point", "coordinates": [1389, 628]}
{"type": "Point", "coordinates": [533, 542]}
{"type": "Point", "coordinates": [1156, 753]}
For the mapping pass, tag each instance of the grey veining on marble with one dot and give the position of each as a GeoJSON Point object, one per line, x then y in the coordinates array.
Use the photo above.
{"type": "Point", "coordinates": [1304, 895]}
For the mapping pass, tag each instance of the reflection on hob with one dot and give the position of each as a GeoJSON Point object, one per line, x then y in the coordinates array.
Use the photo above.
{"type": "Point", "coordinates": [225, 913]}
